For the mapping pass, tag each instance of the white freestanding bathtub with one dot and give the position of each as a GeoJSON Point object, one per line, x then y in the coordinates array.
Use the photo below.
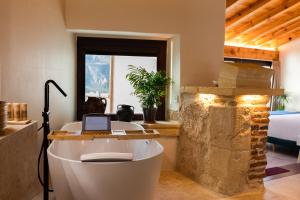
{"type": "Point", "coordinates": [130, 180]}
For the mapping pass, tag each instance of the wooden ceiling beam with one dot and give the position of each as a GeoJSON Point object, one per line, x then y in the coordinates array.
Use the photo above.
{"type": "Point", "coordinates": [229, 3]}
{"type": "Point", "coordinates": [249, 53]}
{"type": "Point", "coordinates": [274, 29]}
{"type": "Point", "coordinates": [279, 32]}
{"type": "Point", "coordinates": [290, 38]}
{"type": "Point", "coordinates": [238, 7]}
{"type": "Point", "coordinates": [277, 42]}
{"type": "Point", "coordinates": [250, 10]}
{"type": "Point", "coordinates": [274, 21]}
{"type": "Point", "coordinates": [234, 7]}
{"type": "Point", "coordinates": [289, 10]}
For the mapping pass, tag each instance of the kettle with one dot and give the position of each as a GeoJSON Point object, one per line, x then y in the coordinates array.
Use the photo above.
{"type": "Point", "coordinates": [125, 112]}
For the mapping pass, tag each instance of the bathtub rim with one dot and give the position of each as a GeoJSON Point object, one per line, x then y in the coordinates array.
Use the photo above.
{"type": "Point", "coordinates": [106, 163]}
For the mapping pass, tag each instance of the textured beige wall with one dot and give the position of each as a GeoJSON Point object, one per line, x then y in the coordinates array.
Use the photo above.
{"type": "Point", "coordinates": [200, 25]}
{"type": "Point", "coordinates": [4, 26]}
{"type": "Point", "coordinates": [290, 71]}
{"type": "Point", "coordinates": [37, 47]}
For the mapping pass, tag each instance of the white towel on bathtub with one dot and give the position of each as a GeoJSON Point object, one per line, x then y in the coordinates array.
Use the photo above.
{"type": "Point", "coordinates": [106, 157]}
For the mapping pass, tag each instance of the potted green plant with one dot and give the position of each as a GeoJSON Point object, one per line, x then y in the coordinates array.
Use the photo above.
{"type": "Point", "coordinates": [149, 87]}
{"type": "Point", "coordinates": [281, 101]}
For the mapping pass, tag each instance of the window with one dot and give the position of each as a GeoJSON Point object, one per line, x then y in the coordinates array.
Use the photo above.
{"type": "Point", "coordinates": [267, 64]}
{"type": "Point", "coordinates": [102, 65]}
{"type": "Point", "coordinates": [105, 76]}
{"type": "Point", "coordinates": [97, 75]}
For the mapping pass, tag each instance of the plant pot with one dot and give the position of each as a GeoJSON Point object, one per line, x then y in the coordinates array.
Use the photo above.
{"type": "Point", "coordinates": [149, 115]}
{"type": "Point", "coordinates": [125, 112]}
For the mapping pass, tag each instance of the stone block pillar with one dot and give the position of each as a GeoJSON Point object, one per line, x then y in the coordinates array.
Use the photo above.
{"type": "Point", "coordinates": [222, 141]}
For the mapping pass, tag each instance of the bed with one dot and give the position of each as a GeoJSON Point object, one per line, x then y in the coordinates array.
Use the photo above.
{"type": "Point", "coordinates": [284, 129]}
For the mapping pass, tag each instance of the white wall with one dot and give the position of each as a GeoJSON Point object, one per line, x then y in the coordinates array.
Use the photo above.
{"type": "Point", "coordinates": [290, 70]}
{"type": "Point", "coordinates": [37, 47]}
{"type": "Point", "coordinates": [199, 23]}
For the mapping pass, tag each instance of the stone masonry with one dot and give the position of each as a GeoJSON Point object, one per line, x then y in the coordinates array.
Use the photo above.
{"type": "Point", "coordinates": [222, 141]}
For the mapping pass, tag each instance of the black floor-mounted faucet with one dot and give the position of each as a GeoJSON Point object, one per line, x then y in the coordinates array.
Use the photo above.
{"type": "Point", "coordinates": [46, 128]}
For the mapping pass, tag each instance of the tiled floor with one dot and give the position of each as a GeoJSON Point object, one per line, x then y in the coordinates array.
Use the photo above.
{"type": "Point", "coordinates": [40, 196]}
{"type": "Point", "coordinates": [292, 170]}
{"type": "Point", "coordinates": [284, 159]}
{"type": "Point", "coordinates": [280, 158]}
{"type": "Point", "coordinates": [175, 186]}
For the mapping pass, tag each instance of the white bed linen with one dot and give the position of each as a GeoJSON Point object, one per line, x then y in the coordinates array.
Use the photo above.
{"type": "Point", "coordinates": [285, 127]}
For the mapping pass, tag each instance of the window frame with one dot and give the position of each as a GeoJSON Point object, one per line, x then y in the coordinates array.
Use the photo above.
{"type": "Point", "coordinates": [250, 61]}
{"type": "Point", "coordinates": [118, 47]}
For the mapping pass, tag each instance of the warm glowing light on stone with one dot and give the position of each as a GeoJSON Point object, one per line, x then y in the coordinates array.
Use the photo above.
{"type": "Point", "coordinates": [206, 98]}
{"type": "Point", "coordinates": [253, 99]}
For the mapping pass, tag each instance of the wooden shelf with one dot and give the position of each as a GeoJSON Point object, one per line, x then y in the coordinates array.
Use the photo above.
{"type": "Point", "coordinates": [12, 129]}
{"type": "Point", "coordinates": [165, 128]}
{"type": "Point", "coordinates": [19, 122]}
{"type": "Point", "coordinates": [231, 91]}
{"type": "Point", "coordinates": [124, 135]}
{"type": "Point", "coordinates": [161, 125]}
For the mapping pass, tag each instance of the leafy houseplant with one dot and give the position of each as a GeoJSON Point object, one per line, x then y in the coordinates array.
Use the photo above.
{"type": "Point", "coordinates": [281, 101]}
{"type": "Point", "coordinates": [149, 87]}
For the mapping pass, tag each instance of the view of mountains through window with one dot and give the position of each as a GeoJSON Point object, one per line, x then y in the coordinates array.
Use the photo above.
{"type": "Point", "coordinates": [97, 75]}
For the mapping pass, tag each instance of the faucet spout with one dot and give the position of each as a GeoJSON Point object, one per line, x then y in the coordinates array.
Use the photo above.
{"type": "Point", "coordinates": [46, 108]}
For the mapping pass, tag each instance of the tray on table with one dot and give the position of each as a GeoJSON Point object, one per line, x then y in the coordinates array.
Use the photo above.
{"type": "Point", "coordinates": [118, 134]}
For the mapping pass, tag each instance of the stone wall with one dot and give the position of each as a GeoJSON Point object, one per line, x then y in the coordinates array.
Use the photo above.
{"type": "Point", "coordinates": [173, 115]}
{"type": "Point", "coordinates": [222, 141]}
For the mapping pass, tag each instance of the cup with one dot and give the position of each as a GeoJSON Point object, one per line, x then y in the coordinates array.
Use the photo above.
{"type": "Point", "coordinates": [16, 111]}
{"type": "Point", "coordinates": [3, 118]}
{"type": "Point", "coordinates": [10, 112]}
{"type": "Point", "coordinates": [23, 111]}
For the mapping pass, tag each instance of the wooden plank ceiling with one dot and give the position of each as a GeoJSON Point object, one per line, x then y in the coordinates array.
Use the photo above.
{"type": "Point", "coordinates": [264, 24]}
